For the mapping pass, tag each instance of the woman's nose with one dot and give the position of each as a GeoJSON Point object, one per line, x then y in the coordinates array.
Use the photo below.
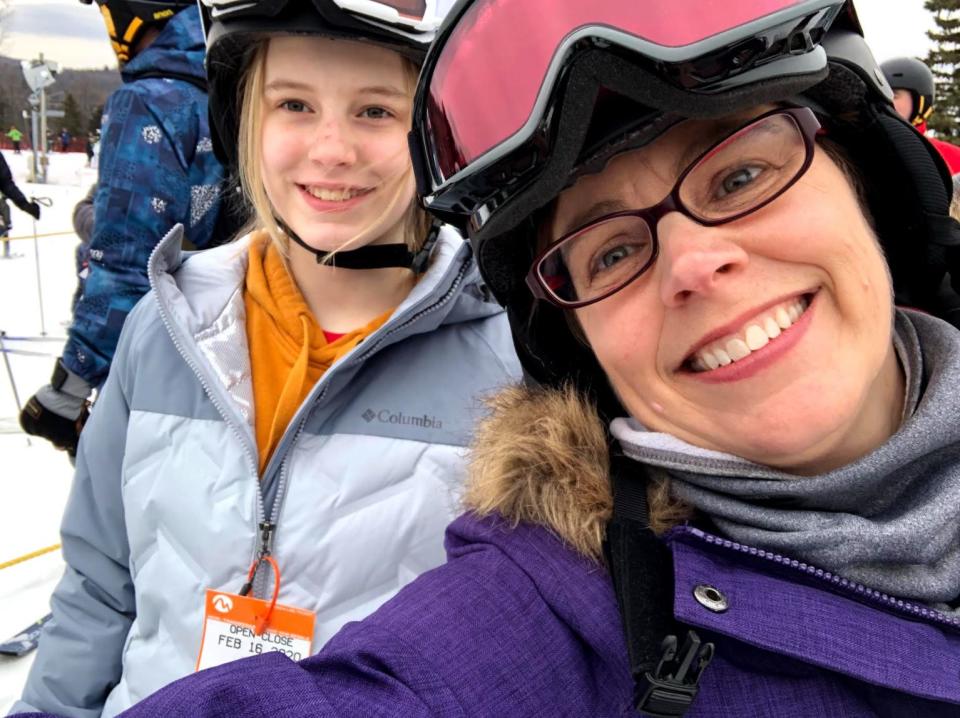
{"type": "Point", "coordinates": [694, 260]}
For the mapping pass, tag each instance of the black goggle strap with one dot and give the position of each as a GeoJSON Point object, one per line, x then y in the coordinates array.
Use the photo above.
{"type": "Point", "coordinates": [372, 256]}
{"type": "Point", "coordinates": [666, 674]}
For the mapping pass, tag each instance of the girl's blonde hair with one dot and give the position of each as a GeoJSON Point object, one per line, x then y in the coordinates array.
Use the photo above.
{"type": "Point", "coordinates": [250, 136]}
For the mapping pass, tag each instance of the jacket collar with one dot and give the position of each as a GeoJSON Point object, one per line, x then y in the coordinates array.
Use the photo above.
{"type": "Point", "coordinates": [196, 287]}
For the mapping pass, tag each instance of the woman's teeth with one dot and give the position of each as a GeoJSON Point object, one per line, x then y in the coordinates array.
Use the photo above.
{"type": "Point", "coordinates": [756, 334]}
{"type": "Point", "coordinates": [334, 195]}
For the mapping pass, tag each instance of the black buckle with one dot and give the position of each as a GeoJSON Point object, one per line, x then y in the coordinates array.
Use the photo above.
{"type": "Point", "coordinates": [671, 689]}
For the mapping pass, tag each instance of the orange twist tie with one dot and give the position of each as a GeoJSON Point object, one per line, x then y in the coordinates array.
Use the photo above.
{"type": "Point", "coordinates": [262, 621]}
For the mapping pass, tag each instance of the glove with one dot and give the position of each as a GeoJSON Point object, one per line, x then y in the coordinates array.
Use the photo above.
{"type": "Point", "coordinates": [58, 411]}
{"type": "Point", "coordinates": [33, 209]}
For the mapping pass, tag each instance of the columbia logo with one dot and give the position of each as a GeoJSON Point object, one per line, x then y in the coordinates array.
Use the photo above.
{"type": "Point", "coordinates": [385, 416]}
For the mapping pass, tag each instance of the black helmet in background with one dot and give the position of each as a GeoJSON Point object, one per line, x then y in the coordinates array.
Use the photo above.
{"type": "Point", "coordinates": [127, 20]}
{"type": "Point", "coordinates": [499, 134]}
{"type": "Point", "coordinates": [233, 26]}
{"type": "Point", "coordinates": [908, 73]}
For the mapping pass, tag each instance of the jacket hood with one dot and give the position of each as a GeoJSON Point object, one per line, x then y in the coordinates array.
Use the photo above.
{"type": "Point", "coordinates": [541, 457]}
{"type": "Point", "coordinates": [178, 50]}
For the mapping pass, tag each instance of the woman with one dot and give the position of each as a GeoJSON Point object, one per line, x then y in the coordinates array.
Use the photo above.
{"type": "Point", "coordinates": [686, 225]}
{"type": "Point", "coordinates": [300, 406]}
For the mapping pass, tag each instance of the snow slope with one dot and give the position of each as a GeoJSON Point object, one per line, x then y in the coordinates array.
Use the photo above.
{"type": "Point", "coordinates": [34, 477]}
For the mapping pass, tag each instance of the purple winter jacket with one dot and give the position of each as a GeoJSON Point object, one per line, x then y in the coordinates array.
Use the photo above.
{"type": "Point", "coordinates": [517, 624]}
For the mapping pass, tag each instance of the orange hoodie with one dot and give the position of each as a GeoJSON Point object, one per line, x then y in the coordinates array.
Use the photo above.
{"type": "Point", "coordinates": [288, 350]}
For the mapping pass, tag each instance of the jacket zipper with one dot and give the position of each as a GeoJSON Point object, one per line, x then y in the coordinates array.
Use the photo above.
{"type": "Point", "coordinates": [837, 583]}
{"type": "Point", "coordinates": [264, 538]}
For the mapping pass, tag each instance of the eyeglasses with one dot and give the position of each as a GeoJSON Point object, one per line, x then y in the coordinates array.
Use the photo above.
{"type": "Point", "coordinates": [738, 175]}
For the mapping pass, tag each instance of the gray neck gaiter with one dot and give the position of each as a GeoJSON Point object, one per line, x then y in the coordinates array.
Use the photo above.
{"type": "Point", "coordinates": [890, 520]}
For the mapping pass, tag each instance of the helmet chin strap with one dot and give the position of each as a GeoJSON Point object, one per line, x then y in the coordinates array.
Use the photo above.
{"type": "Point", "coordinates": [372, 256]}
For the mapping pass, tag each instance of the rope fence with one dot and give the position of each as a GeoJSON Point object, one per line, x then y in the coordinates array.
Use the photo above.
{"type": "Point", "coordinates": [39, 236]}
{"type": "Point", "coordinates": [29, 556]}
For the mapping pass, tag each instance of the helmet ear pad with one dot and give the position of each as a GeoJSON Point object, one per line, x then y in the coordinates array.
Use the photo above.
{"type": "Point", "coordinates": [552, 353]}
{"type": "Point", "coordinates": [906, 190]}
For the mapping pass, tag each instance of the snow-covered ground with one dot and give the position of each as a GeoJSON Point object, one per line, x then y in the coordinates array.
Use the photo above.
{"type": "Point", "coordinates": [34, 477]}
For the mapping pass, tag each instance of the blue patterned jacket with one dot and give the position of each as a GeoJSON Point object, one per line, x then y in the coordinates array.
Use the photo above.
{"type": "Point", "coordinates": [157, 169]}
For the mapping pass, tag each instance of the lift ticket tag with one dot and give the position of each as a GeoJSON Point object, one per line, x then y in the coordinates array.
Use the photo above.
{"type": "Point", "coordinates": [229, 630]}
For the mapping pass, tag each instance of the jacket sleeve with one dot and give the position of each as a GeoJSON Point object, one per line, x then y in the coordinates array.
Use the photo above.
{"type": "Point", "coordinates": [10, 189]}
{"type": "Point", "coordinates": [79, 657]}
{"type": "Point", "coordinates": [143, 190]}
{"type": "Point", "coordinates": [83, 216]}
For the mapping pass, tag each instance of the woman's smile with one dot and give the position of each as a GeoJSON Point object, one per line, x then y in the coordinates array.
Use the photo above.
{"type": "Point", "coordinates": [726, 355]}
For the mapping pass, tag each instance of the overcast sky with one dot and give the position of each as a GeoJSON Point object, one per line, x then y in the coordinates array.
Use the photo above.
{"type": "Point", "coordinates": [73, 34]}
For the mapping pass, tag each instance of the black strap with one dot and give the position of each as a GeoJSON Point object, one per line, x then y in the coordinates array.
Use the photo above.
{"type": "Point", "coordinates": [665, 674]}
{"type": "Point", "coordinates": [373, 256]}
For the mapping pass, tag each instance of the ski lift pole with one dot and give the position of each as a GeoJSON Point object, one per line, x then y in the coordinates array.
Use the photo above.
{"type": "Point", "coordinates": [45, 202]}
{"type": "Point", "coordinates": [13, 384]}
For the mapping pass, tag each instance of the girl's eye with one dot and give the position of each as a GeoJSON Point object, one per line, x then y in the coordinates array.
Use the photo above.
{"type": "Point", "coordinates": [376, 113]}
{"type": "Point", "coordinates": [738, 179]}
{"type": "Point", "coordinates": [294, 106]}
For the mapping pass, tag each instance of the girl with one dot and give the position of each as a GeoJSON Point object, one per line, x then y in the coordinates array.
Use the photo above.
{"type": "Point", "coordinates": [285, 417]}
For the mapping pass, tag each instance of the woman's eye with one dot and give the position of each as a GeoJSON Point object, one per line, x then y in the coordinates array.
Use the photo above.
{"type": "Point", "coordinates": [294, 105]}
{"type": "Point", "coordinates": [618, 254]}
{"type": "Point", "coordinates": [376, 113]}
{"type": "Point", "coordinates": [738, 179]}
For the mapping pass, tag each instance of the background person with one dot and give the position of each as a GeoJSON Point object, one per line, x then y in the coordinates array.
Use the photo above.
{"type": "Point", "coordinates": [914, 95]}
{"type": "Point", "coordinates": [89, 141]}
{"type": "Point", "coordinates": [10, 191]}
{"type": "Point", "coordinates": [15, 136]}
{"type": "Point", "coordinates": [156, 169]}
{"type": "Point", "coordinates": [306, 402]}
{"type": "Point", "coordinates": [808, 473]}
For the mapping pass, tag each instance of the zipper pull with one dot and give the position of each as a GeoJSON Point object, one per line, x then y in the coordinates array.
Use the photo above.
{"type": "Point", "coordinates": [264, 549]}
{"type": "Point", "coordinates": [266, 540]}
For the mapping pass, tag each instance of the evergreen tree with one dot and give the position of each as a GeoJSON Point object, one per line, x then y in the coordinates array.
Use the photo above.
{"type": "Point", "coordinates": [944, 61]}
{"type": "Point", "coordinates": [72, 120]}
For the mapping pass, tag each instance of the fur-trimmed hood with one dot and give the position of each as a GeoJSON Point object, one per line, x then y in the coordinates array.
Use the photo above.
{"type": "Point", "coordinates": [542, 457]}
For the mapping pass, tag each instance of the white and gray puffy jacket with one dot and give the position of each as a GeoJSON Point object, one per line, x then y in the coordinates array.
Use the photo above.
{"type": "Point", "coordinates": [166, 501]}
